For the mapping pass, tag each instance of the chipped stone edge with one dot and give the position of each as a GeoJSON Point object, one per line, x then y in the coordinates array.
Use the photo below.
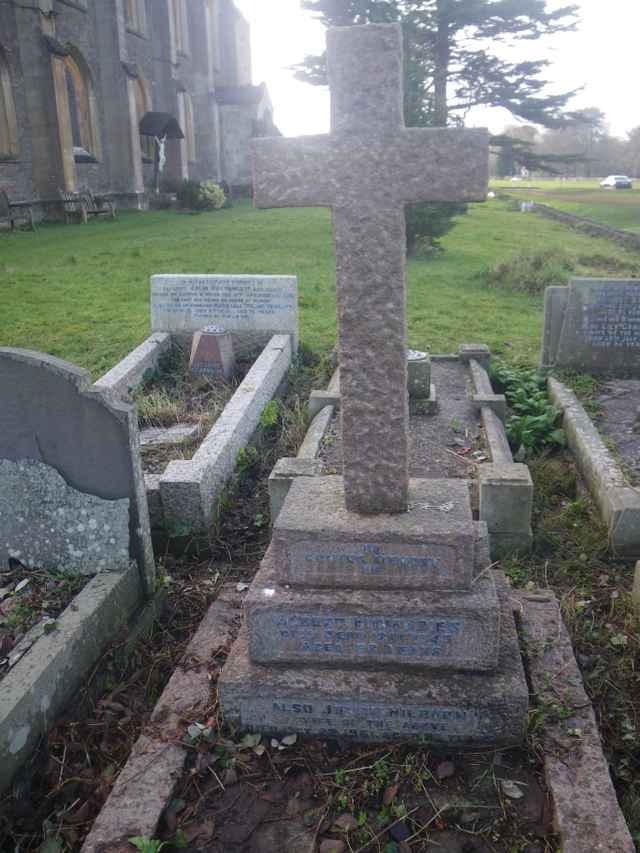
{"type": "Point", "coordinates": [576, 770]}
{"type": "Point", "coordinates": [35, 691]}
{"type": "Point", "coordinates": [508, 535]}
{"type": "Point", "coordinates": [157, 761]}
{"type": "Point", "coordinates": [129, 373]}
{"type": "Point", "coordinates": [190, 490]}
{"type": "Point", "coordinates": [618, 502]}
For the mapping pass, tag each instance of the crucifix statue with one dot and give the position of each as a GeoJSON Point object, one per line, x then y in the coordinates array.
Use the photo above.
{"type": "Point", "coordinates": [366, 171]}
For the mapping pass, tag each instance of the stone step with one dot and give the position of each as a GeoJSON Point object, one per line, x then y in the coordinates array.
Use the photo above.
{"type": "Point", "coordinates": [403, 629]}
{"type": "Point", "coordinates": [319, 543]}
{"type": "Point", "coordinates": [459, 710]}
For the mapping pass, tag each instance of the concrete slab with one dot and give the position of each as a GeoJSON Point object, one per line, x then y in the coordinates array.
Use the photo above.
{"type": "Point", "coordinates": [283, 474]}
{"type": "Point", "coordinates": [317, 542]}
{"type": "Point", "coordinates": [586, 810]}
{"type": "Point", "coordinates": [457, 710]}
{"type": "Point", "coordinates": [372, 628]}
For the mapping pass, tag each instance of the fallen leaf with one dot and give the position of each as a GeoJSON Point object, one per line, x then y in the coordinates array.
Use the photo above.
{"type": "Point", "coordinates": [445, 770]}
{"type": "Point", "coordinates": [511, 789]}
{"type": "Point", "coordinates": [389, 795]}
{"type": "Point", "coordinates": [331, 846]}
{"type": "Point", "coordinates": [289, 740]}
{"type": "Point", "coordinates": [346, 823]}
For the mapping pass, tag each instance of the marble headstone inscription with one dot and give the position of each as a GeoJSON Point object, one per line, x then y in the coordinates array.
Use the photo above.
{"type": "Point", "coordinates": [593, 325]}
{"type": "Point", "coordinates": [251, 307]}
{"type": "Point", "coordinates": [374, 613]}
{"type": "Point", "coordinates": [366, 171]}
{"type": "Point", "coordinates": [212, 353]}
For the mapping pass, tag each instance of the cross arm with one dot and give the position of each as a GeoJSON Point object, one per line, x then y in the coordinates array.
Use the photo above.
{"type": "Point", "coordinates": [293, 172]}
{"type": "Point", "coordinates": [441, 164]}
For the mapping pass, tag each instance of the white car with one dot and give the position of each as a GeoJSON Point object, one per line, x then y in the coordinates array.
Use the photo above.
{"type": "Point", "coordinates": [617, 182]}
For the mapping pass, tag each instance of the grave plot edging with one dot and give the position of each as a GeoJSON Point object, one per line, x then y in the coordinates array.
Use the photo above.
{"type": "Point", "coordinates": [585, 806]}
{"type": "Point", "coordinates": [618, 502]}
{"type": "Point", "coordinates": [35, 691]}
{"type": "Point", "coordinates": [146, 783]}
{"type": "Point", "coordinates": [129, 373]}
{"type": "Point", "coordinates": [505, 487]}
{"type": "Point", "coordinates": [190, 490]}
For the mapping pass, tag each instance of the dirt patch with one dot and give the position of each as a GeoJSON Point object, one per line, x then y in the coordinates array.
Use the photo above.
{"type": "Point", "coordinates": [173, 395]}
{"type": "Point", "coordinates": [30, 597]}
{"type": "Point", "coordinates": [619, 422]}
{"type": "Point", "coordinates": [331, 796]}
{"type": "Point", "coordinates": [440, 445]}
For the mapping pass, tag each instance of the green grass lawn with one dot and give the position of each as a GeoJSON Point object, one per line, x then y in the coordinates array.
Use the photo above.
{"type": "Point", "coordinates": [82, 292]}
{"type": "Point", "coordinates": [617, 208]}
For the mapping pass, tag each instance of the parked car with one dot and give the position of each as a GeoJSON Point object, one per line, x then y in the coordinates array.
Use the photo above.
{"type": "Point", "coordinates": [617, 182]}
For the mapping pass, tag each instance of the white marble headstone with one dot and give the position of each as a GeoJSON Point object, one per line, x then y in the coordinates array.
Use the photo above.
{"type": "Point", "coordinates": [255, 305]}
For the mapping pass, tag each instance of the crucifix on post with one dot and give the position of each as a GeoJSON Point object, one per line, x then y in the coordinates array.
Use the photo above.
{"type": "Point", "coordinates": [366, 171]}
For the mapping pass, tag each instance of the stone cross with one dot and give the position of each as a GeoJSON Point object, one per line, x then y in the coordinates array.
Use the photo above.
{"type": "Point", "coordinates": [367, 170]}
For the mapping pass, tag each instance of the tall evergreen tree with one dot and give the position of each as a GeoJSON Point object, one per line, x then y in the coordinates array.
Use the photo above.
{"type": "Point", "coordinates": [448, 69]}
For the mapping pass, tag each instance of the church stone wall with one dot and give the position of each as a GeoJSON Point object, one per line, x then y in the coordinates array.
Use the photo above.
{"type": "Point", "coordinates": [218, 54]}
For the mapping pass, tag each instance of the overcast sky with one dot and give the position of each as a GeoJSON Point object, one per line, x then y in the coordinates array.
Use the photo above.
{"type": "Point", "coordinates": [602, 56]}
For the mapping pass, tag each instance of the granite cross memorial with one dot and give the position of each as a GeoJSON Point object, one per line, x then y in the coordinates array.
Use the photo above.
{"type": "Point", "coordinates": [374, 614]}
{"type": "Point", "coordinates": [367, 170]}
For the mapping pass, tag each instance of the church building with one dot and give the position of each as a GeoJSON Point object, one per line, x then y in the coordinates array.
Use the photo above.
{"type": "Point", "coordinates": [80, 80]}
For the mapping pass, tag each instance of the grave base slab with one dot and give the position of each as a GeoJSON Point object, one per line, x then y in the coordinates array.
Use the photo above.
{"type": "Point", "coordinates": [369, 628]}
{"type": "Point", "coordinates": [458, 710]}
{"type": "Point", "coordinates": [320, 543]}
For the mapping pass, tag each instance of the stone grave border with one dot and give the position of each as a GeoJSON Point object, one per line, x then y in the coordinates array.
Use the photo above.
{"type": "Point", "coordinates": [38, 687]}
{"type": "Point", "coordinates": [505, 488]}
{"type": "Point", "coordinates": [185, 496]}
{"type": "Point", "coordinates": [618, 502]}
{"type": "Point", "coordinates": [157, 761]}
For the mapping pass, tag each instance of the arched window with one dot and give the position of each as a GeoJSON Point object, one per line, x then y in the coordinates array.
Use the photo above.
{"type": "Point", "coordinates": [143, 105]}
{"type": "Point", "coordinates": [136, 17]}
{"type": "Point", "coordinates": [82, 107]}
{"type": "Point", "coordinates": [8, 123]}
{"type": "Point", "coordinates": [189, 129]}
{"type": "Point", "coordinates": [180, 25]}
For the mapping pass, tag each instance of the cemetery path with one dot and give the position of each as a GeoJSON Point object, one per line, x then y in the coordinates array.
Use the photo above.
{"type": "Point", "coordinates": [620, 401]}
{"type": "Point", "coordinates": [440, 445]}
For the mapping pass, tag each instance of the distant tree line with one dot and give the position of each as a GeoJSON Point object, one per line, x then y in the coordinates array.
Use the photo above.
{"type": "Point", "coordinates": [585, 148]}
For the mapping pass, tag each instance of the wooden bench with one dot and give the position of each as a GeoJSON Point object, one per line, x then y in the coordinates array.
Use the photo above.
{"type": "Point", "coordinates": [15, 213]}
{"type": "Point", "coordinates": [83, 205]}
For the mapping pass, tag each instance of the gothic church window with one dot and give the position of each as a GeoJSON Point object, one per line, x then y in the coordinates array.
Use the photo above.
{"type": "Point", "coordinates": [8, 124]}
{"type": "Point", "coordinates": [82, 108]}
{"type": "Point", "coordinates": [180, 25]}
{"type": "Point", "coordinates": [143, 105]}
{"type": "Point", "coordinates": [189, 129]}
{"type": "Point", "coordinates": [136, 18]}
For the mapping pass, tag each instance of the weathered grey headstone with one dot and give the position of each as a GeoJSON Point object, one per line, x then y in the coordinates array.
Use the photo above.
{"type": "Point", "coordinates": [212, 353]}
{"type": "Point", "coordinates": [46, 524]}
{"type": "Point", "coordinates": [367, 170]}
{"type": "Point", "coordinates": [252, 307]}
{"type": "Point", "coordinates": [593, 326]}
{"type": "Point", "coordinates": [51, 414]}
